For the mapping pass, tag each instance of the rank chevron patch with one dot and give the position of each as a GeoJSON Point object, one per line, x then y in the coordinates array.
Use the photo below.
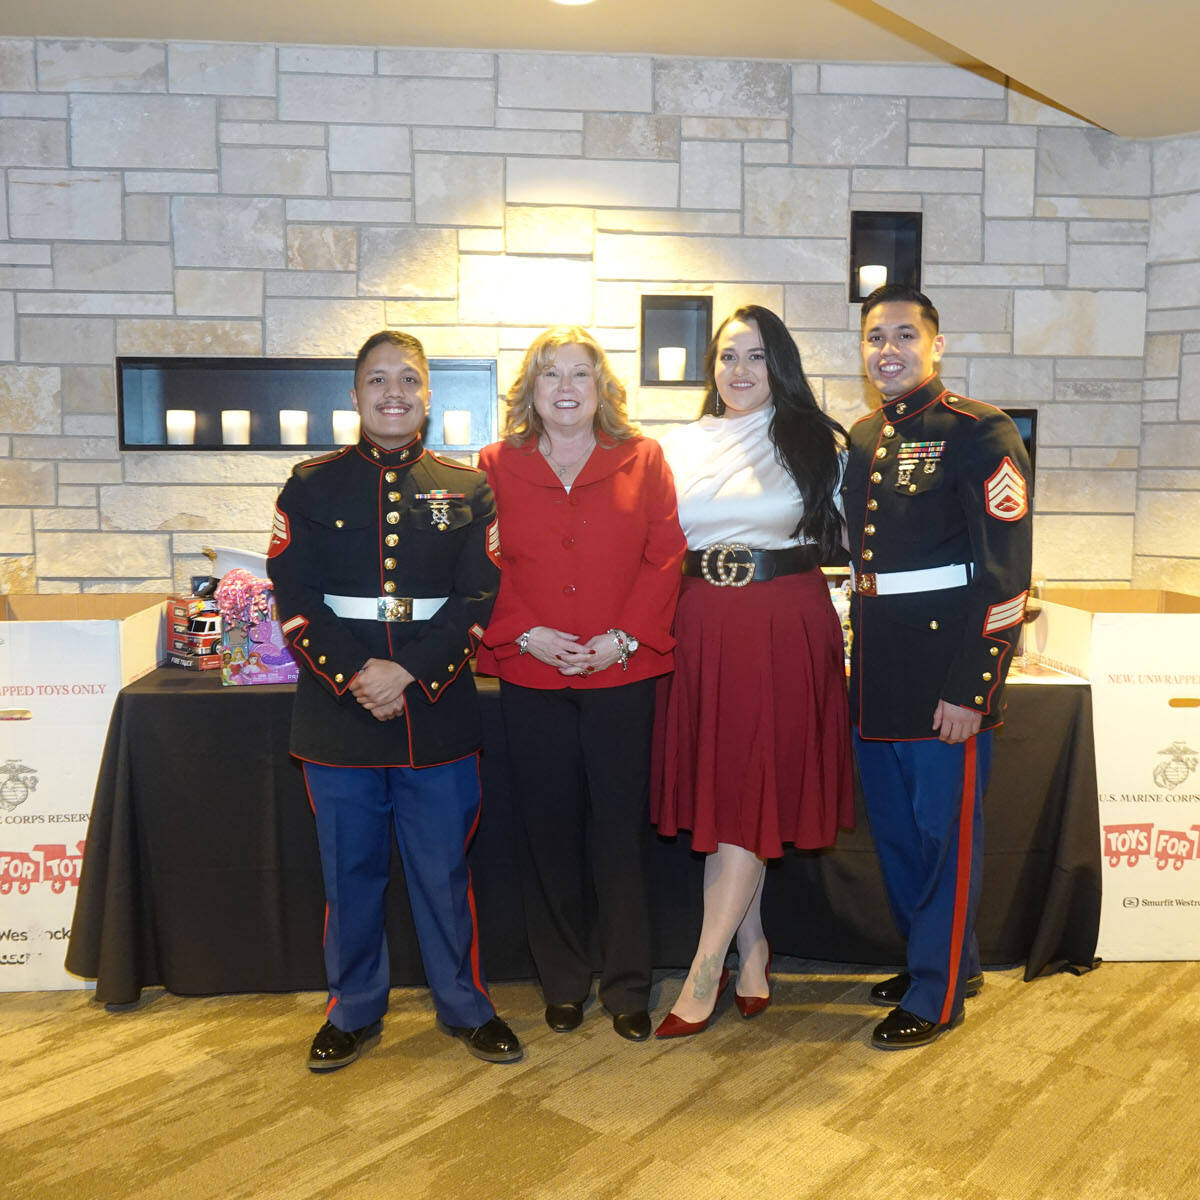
{"type": "Point", "coordinates": [281, 534]}
{"type": "Point", "coordinates": [493, 542]}
{"type": "Point", "coordinates": [1004, 493]}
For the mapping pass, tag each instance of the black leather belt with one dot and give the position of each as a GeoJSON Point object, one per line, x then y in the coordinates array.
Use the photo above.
{"type": "Point", "coordinates": [732, 564]}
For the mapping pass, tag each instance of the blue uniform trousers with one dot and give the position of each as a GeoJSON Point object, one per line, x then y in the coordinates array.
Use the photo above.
{"type": "Point", "coordinates": [925, 804]}
{"type": "Point", "coordinates": [434, 811]}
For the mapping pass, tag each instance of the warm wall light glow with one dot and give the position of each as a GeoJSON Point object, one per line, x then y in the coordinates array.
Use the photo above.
{"type": "Point", "coordinates": [345, 427]}
{"type": "Point", "coordinates": [181, 426]}
{"type": "Point", "coordinates": [293, 426]}
{"type": "Point", "coordinates": [572, 3]}
{"type": "Point", "coordinates": [672, 362]}
{"type": "Point", "coordinates": [870, 277]}
{"type": "Point", "coordinates": [456, 427]}
{"type": "Point", "coordinates": [235, 426]}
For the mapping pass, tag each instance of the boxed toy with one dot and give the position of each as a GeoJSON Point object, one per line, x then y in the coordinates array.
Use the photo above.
{"type": "Point", "coordinates": [253, 649]}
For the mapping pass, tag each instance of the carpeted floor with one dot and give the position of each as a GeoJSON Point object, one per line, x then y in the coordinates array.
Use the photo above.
{"type": "Point", "coordinates": [1063, 1088]}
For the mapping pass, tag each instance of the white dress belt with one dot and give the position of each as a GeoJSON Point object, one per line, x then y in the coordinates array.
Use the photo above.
{"type": "Point", "coordinates": [896, 583]}
{"type": "Point", "coordinates": [385, 608]}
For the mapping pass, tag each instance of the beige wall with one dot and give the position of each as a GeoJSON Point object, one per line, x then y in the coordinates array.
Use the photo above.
{"type": "Point", "coordinates": [229, 199]}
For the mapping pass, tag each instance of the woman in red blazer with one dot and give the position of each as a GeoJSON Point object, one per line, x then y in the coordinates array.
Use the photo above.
{"type": "Point", "coordinates": [590, 555]}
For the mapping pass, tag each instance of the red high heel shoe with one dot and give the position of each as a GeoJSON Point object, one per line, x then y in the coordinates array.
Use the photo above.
{"type": "Point", "coordinates": [673, 1026]}
{"type": "Point", "coordinates": [751, 1006]}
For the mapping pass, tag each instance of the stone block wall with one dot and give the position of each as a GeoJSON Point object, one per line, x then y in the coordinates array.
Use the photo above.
{"type": "Point", "coordinates": [219, 199]}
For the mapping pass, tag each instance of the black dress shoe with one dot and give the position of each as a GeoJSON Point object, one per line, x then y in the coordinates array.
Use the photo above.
{"type": "Point", "coordinates": [633, 1026]}
{"type": "Point", "coordinates": [333, 1047]}
{"type": "Point", "coordinates": [891, 991]}
{"type": "Point", "coordinates": [562, 1018]}
{"type": "Point", "coordinates": [493, 1042]}
{"type": "Point", "coordinates": [902, 1030]}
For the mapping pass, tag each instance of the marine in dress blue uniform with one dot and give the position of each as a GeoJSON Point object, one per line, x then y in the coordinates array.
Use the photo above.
{"type": "Point", "coordinates": [384, 561]}
{"type": "Point", "coordinates": [939, 530]}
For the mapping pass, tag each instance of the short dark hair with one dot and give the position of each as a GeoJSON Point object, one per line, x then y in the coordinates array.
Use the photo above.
{"type": "Point", "coordinates": [900, 293]}
{"type": "Point", "coordinates": [405, 341]}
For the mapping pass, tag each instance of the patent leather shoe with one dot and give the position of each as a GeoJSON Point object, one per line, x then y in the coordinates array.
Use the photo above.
{"type": "Point", "coordinates": [891, 991]}
{"type": "Point", "coordinates": [751, 1006]}
{"type": "Point", "coordinates": [902, 1030]}
{"type": "Point", "coordinates": [673, 1026]}
{"type": "Point", "coordinates": [632, 1026]}
{"type": "Point", "coordinates": [333, 1047]}
{"type": "Point", "coordinates": [493, 1041]}
{"type": "Point", "coordinates": [562, 1018]}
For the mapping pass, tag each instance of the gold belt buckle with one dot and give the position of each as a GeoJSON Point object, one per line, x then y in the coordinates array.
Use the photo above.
{"type": "Point", "coordinates": [394, 608]}
{"type": "Point", "coordinates": [864, 584]}
{"type": "Point", "coordinates": [726, 572]}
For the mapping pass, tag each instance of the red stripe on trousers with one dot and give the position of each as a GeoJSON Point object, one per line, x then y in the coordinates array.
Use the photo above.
{"type": "Point", "coordinates": [962, 886]}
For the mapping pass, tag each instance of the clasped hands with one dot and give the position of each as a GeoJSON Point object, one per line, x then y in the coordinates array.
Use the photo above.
{"type": "Point", "coordinates": [568, 655]}
{"type": "Point", "coordinates": [379, 688]}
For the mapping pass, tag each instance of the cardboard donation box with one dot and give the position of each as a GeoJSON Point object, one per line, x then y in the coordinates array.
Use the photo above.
{"type": "Point", "coordinates": [1141, 651]}
{"type": "Point", "coordinates": [63, 659]}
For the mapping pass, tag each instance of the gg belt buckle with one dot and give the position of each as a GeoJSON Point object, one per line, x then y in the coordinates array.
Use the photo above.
{"type": "Point", "coordinates": [725, 573]}
{"type": "Point", "coordinates": [394, 608]}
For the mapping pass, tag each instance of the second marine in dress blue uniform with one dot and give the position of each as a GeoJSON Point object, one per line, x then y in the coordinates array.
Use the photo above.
{"type": "Point", "coordinates": [939, 529]}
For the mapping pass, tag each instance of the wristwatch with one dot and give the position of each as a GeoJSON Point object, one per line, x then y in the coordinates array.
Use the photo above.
{"type": "Point", "coordinates": [626, 645]}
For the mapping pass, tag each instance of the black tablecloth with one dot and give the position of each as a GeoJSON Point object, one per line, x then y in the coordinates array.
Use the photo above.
{"type": "Point", "coordinates": [201, 871]}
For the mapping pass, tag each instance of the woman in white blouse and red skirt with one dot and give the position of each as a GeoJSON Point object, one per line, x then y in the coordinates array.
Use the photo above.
{"type": "Point", "coordinates": [752, 735]}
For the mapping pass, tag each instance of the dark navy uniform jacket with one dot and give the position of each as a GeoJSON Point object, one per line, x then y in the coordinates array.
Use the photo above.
{"type": "Point", "coordinates": [933, 479]}
{"type": "Point", "coordinates": [370, 522]}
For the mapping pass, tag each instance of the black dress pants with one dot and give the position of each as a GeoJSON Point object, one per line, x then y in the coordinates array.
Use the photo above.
{"type": "Point", "coordinates": [581, 769]}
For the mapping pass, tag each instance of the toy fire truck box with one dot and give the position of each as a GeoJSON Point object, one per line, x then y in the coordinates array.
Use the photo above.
{"type": "Point", "coordinates": [1141, 651]}
{"type": "Point", "coordinates": [63, 659]}
{"type": "Point", "coordinates": [193, 633]}
{"type": "Point", "coordinates": [253, 649]}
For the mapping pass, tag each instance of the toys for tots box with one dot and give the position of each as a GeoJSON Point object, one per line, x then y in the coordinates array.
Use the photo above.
{"type": "Point", "coordinates": [63, 659]}
{"type": "Point", "coordinates": [1141, 651]}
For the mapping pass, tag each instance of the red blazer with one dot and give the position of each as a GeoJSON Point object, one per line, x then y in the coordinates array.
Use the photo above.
{"type": "Point", "coordinates": [606, 555]}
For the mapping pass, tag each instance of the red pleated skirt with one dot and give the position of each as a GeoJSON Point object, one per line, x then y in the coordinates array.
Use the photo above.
{"type": "Point", "coordinates": [752, 731]}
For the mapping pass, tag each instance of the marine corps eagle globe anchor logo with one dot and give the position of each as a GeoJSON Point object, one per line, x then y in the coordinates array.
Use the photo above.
{"type": "Point", "coordinates": [1182, 762]}
{"type": "Point", "coordinates": [16, 782]}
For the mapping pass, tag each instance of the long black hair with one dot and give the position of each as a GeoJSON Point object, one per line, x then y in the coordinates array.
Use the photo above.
{"type": "Point", "coordinates": [807, 441]}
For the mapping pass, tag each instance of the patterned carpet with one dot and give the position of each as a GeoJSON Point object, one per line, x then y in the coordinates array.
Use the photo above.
{"type": "Point", "coordinates": [1063, 1088]}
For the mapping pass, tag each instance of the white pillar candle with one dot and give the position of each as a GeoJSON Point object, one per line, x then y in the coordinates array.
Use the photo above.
{"type": "Point", "coordinates": [235, 426]}
{"type": "Point", "coordinates": [456, 427]}
{"type": "Point", "coordinates": [345, 426]}
{"type": "Point", "coordinates": [293, 426]}
{"type": "Point", "coordinates": [181, 426]}
{"type": "Point", "coordinates": [672, 362]}
{"type": "Point", "coordinates": [870, 277]}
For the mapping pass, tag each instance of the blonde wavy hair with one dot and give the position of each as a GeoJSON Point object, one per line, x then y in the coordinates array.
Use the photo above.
{"type": "Point", "coordinates": [522, 422]}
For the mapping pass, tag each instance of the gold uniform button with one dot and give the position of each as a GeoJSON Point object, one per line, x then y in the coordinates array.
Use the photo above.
{"type": "Point", "coordinates": [889, 431]}
{"type": "Point", "coordinates": [995, 651]}
{"type": "Point", "coordinates": [391, 540]}
{"type": "Point", "coordinates": [987, 677]}
{"type": "Point", "coordinates": [321, 660]}
{"type": "Point", "coordinates": [881, 452]}
{"type": "Point", "coordinates": [912, 487]}
{"type": "Point", "coordinates": [933, 625]}
{"type": "Point", "coordinates": [876, 477]}
{"type": "Point", "coordinates": [393, 497]}
{"type": "Point", "coordinates": [868, 554]}
{"type": "Point", "coordinates": [393, 518]}
{"type": "Point", "coordinates": [304, 642]}
{"type": "Point", "coordinates": [433, 687]}
{"type": "Point", "coordinates": [339, 523]}
{"type": "Point", "coordinates": [450, 668]}
{"type": "Point", "coordinates": [467, 651]}
{"type": "Point", "coordinates": [870, 530]}
{"type": "Point", "coordinates": [978, 699]}
{"type": "Point", "coordinates": [389, 586]}
{"type": "Point", "coordinates": [390, 476]}
{"type": "Point", "coordinates": [339, 677]}
{"type": "Point", "coordinates": [389, 564]}
{"type": "Point", "coordinates": [872, 504]}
